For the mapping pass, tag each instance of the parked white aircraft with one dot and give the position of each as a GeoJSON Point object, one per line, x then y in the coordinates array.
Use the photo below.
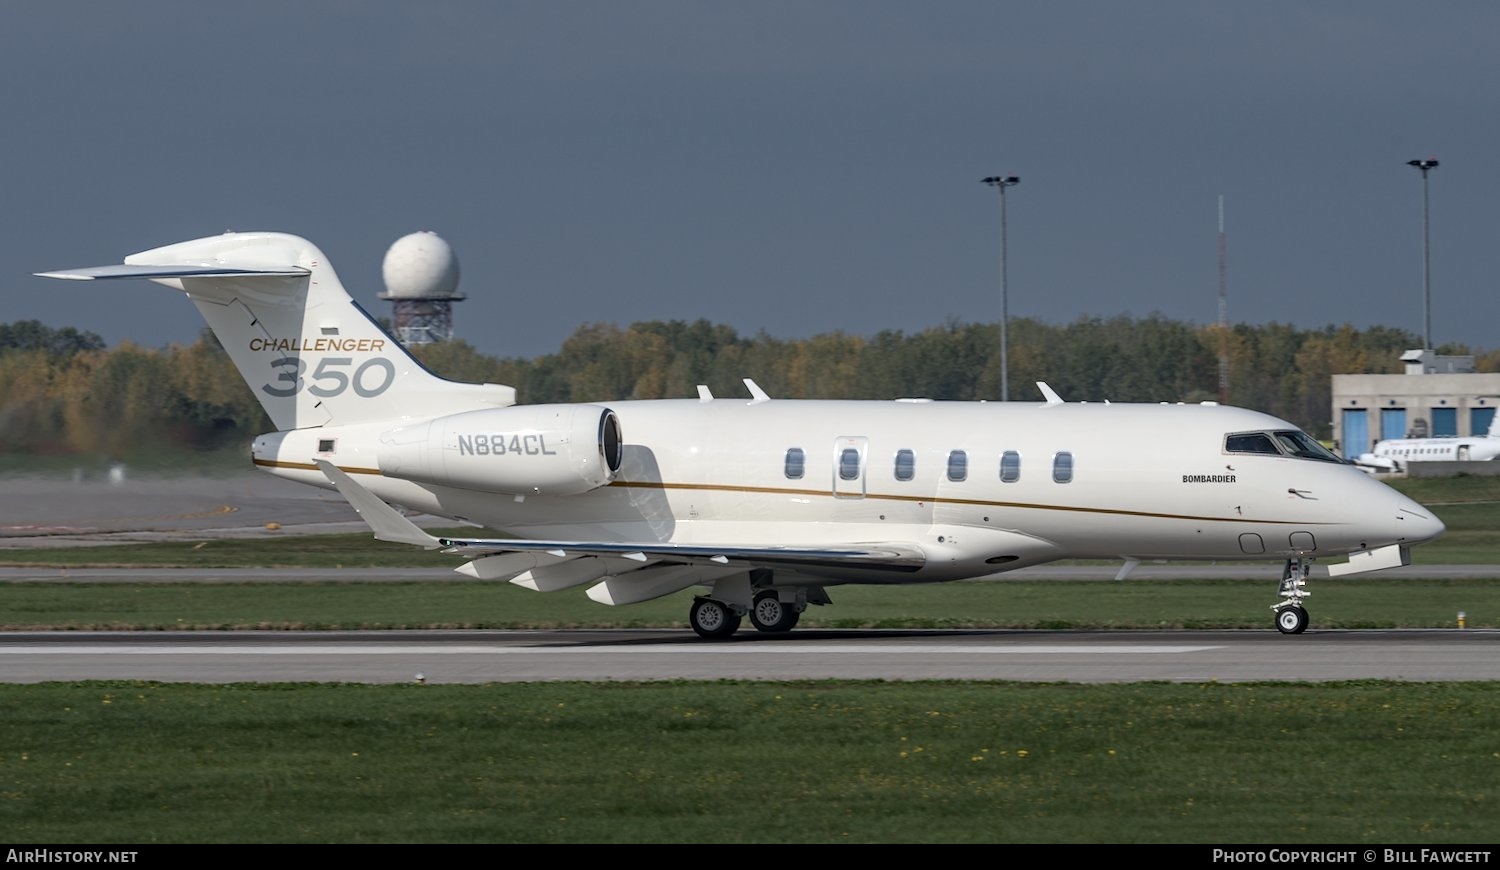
{"type": "Point", "coordinates": [764, 503]}
{"type": "Point", "coordinates": [1394, 454]}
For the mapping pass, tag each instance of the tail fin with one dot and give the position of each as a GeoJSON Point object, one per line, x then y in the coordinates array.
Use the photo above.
{"type": "Point", "coordinates": [310, 353]}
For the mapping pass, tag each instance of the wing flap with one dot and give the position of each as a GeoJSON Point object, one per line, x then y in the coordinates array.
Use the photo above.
{"type": "Point", "coordinates": [875, 556]}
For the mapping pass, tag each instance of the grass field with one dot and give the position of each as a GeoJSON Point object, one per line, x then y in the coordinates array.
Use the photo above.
{"type": "Point", "coordinates": [726, 762]}
{"type": "Point", "coordinates": [763, 762]}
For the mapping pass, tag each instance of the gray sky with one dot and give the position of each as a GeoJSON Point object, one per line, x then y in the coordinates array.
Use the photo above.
{"type": "Point", "coordinates": [792, 167]}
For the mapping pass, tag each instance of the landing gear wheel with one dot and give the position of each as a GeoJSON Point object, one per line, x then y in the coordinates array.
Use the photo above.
{"type": "Point", "coordinates": [713, 620]}
{"type": "Point", "coordinates": [1291, 616]}
{"type": "Point", "coordinates": [770, 613]}
{"type": "Point", "coordinates": [1291, 620]}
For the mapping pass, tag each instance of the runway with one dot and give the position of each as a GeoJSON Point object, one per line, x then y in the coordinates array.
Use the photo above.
{"type": "Point", "coordinates": [641, 655]}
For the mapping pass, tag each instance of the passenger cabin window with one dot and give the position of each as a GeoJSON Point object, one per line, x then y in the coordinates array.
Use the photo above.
{"type": "Point", "coordinates": [1062, 467]}
{"type": "Point", "coordinates": [1010, 466]}
{"type": "Point", "coordinates": [906, 465]}
{"type": "Point", "coordinates": [849, 464]}
{"type": "Point", "coordinates": [958, 465]}
{"type": "Point", "coordinates": [796, 463]}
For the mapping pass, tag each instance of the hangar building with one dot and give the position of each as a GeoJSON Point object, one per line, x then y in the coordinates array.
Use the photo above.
{"type": "Point", "coordinates": [1437, 396]}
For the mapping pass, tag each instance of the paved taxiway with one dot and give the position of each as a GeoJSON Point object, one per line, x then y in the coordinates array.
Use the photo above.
{"type": "Point", "coordinates": [522, 656]}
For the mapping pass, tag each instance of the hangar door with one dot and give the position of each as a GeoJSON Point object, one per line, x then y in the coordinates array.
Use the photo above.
{"type": "Point", "coordinates": [1444, 422]}
{"type": "Point", "coordinates": [1356, 432]}
{"type": "Point", "coordinates": [1480, 420]}
{"type": "Point", "coordinates": [1392, 423]}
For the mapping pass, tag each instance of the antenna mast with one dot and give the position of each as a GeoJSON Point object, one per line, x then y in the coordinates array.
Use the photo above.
{"type": "Point", "coordinates": [1223, 313]}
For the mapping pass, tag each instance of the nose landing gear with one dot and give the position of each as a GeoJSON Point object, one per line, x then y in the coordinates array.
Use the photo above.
{"type": "Point", "coordinates": [1291, 616]}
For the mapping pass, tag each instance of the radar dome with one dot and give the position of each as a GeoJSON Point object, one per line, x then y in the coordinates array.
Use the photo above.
{"type": "Point", "coordinates": [420, 266]}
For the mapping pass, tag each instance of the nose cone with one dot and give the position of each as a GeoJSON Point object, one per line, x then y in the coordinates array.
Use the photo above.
{"type": "Point", "coordinates": [1416, 524]}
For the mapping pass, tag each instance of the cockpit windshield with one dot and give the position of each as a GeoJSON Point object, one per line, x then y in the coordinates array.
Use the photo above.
{"type": "Point", "coordinates": [1283, 442]}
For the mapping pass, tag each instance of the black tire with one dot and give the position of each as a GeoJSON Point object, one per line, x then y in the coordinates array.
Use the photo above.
{"type": "Point", "coordinates": [1291, 620]}
{"type": "Point", "coordinates": [713, 620]}
{"type": "Point", "coordinates": [769, 613]}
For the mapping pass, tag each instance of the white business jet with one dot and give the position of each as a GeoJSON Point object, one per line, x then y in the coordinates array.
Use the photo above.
{"type": "Point", "coordinates": [763, 503]}
{"type": "Point", "coordinates": [1394, 454]}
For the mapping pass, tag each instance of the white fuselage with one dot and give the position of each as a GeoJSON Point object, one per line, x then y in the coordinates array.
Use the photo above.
{"type": "Point", "coordinates": [1401, 451]}
{"type": "Point", "coordinates": [1147, 482]}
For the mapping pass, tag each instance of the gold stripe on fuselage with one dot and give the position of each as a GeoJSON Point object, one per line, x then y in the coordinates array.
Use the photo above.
{"type": "Point", "coordinates": [776, 490]}
{"type": "Point", "coordinates": [818, 493]}
{"type": "Point", "coordinates": [308, 466]}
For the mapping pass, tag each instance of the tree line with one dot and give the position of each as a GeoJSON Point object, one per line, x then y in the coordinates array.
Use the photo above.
{"type": "Point", "coordinates": [65, 391]}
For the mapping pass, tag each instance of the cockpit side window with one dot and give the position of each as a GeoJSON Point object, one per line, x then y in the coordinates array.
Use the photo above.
{"type": "Point", "coordinates": [1287, 442]}
{"type": "Point", "coordinates": [1304, 446]}
{"type": "Point", "coordinates": [1250, 442]}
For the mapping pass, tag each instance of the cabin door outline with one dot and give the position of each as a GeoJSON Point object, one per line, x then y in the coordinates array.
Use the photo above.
{"type": "Point", "coordinates": [851, 455]}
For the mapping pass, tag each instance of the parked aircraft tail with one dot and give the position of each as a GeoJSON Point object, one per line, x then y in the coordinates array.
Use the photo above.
{"type": "Point", "coordinates": [310, 353]}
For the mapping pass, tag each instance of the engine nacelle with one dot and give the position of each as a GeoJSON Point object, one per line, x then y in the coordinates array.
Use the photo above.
{"type": "Point", "coordinates": [520, 450]}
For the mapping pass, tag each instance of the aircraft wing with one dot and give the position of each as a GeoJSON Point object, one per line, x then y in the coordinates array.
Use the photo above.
{"type": "Point", "coordinates": [880, 556]}
{"type": "Point", "coordinates": [510, 558]}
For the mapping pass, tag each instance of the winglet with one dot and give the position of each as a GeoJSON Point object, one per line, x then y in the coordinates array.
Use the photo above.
{"type": "Point", "coordinates": [387, 522]}
{"type": "Point", "coordinates": [756, 393]}
{"type": "Point", "coordinates": [1051, 395]}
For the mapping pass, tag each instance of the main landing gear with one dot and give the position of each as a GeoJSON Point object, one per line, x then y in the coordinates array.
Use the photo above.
{"type": "Point", "coordinates": [1291, 616]}
{"type": "Point", "coordinates": [770, 613]}
{"type": "Point", "coordinates": [713, 620]}
{"type": "Point", "coordinates": [771, 610]}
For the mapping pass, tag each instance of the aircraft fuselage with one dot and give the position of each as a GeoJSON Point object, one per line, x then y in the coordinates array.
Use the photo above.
{"type": "Point", "coordinates": [1081, 481]}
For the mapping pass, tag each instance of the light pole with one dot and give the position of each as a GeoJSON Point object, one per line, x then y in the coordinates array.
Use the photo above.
{"type": "Point", "coordinates": [1424, 165]}
{"type": "Point", "coordinates": [1000, 182]}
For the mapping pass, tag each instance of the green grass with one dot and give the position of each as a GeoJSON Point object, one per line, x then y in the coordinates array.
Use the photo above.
{"type": "Point", "coordinates": [1460, 488]}
{"type": "Point", "coordinates": [728, 762]}
{"type": "Point", "coordinates": [1048, 604]}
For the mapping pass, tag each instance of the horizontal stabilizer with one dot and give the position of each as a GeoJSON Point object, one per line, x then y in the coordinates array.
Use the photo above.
{"type": "Point", "coordinates": [144, 271]}
{"type": "Point", "coordinates": [387, 522]}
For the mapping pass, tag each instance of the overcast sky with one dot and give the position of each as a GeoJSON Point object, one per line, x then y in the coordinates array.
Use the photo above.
{"type": "Point", "coordinates": [792, 167]}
